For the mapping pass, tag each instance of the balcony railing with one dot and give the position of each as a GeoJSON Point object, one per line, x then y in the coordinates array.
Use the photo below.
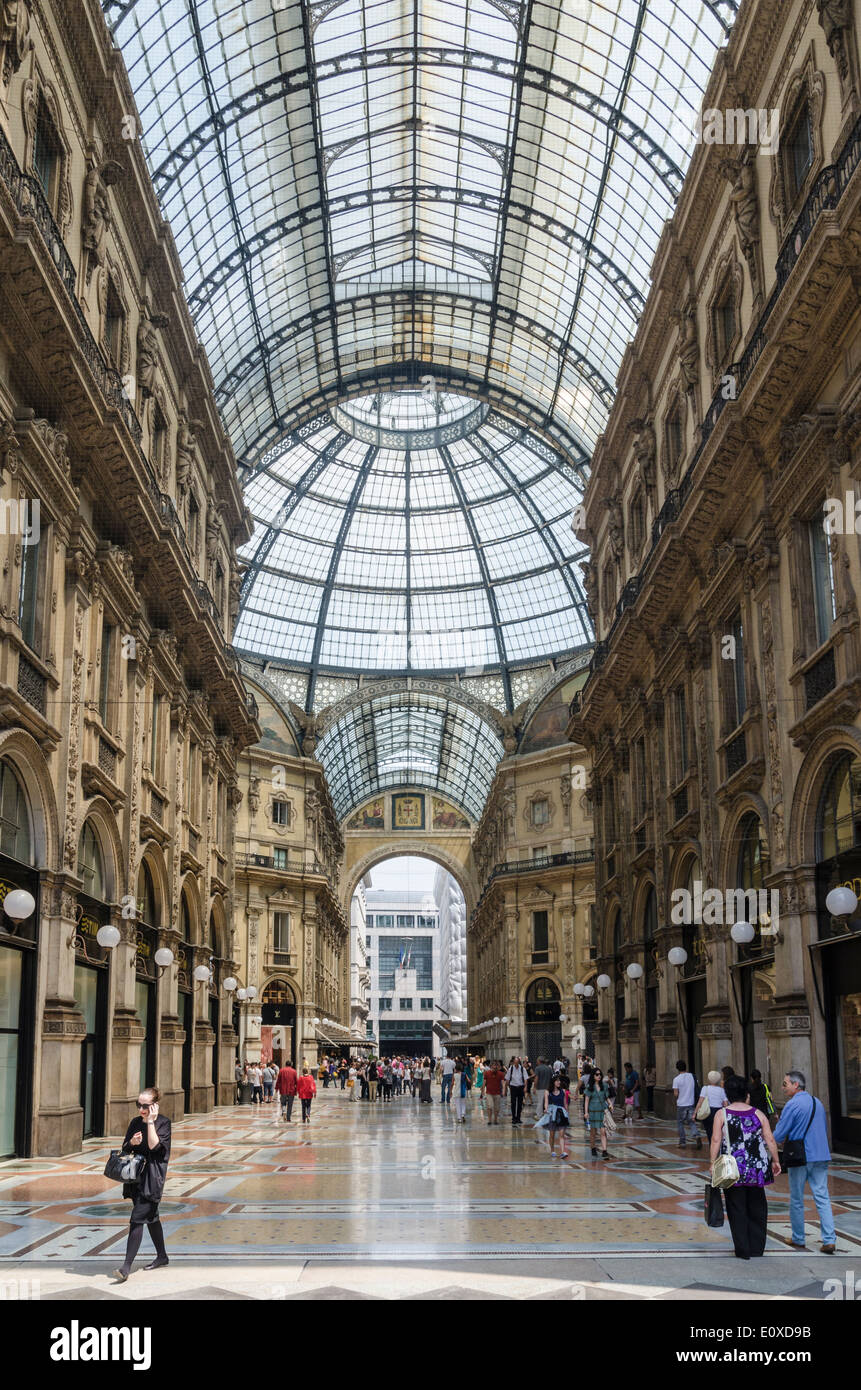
{"type": "Point", "coordinates": [291, 863]}
{"type": "Point", "coordinates": [820, 679]}
{"type": "Point", "coordinates": [32, 684]}
{"type": "Point", "coordinates": [736, 754]}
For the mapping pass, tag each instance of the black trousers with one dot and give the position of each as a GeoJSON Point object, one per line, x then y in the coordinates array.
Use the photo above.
{"type": "Point", "coordinates": [650, 1099]}
{"type": "Point", "coordinates": [516, 1093]}
{"type": "Point", "coordinates": [747, 1210]}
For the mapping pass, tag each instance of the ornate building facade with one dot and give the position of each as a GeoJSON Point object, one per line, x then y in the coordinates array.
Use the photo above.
{"type": "Point", "coordinates": [722, 707]}
{"type": "Point", "coordinates": [293, 936]}
{"type": "Point", "coordinates": [528, 939]}
{"type": "Point", "coordinates": [122, 710]}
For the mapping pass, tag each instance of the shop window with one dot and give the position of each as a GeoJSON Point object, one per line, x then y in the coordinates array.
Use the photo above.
{"type": "Point", "coordinates": [90, 863]}
{"type": "Point", "coordinates": [15, 840]}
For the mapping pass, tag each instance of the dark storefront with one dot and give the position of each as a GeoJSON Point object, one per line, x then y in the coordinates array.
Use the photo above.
{"type": "Point", "coordinates": [91, 997]}
{"type": "Point", "coordinates": [17, 1012]}
{"type": "Point", "coordinates": [837, 976]}
{"type": "Point", "coordinates": [543, 1028]}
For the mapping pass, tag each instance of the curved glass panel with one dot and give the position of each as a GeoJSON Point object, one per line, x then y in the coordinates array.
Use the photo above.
{"type": "Point", "coordinates": [452, 557]}
{"type": "Point", "coordinates": [410, 739]}
{"type": "Point", "coordinates": [372, 190]}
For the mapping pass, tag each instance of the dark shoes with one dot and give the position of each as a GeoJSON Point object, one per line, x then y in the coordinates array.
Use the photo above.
{"type": "Point", "coordinates": [594, 1153]}
{"type": "Point", "coordinates": [793, 1246]}
{"type": "Point", "coordinates": [120, 1276]}
{"type": "Point", "coordinates": [827, 1249]}
{"type": "Point", "coordinates": [605, 1154]}
{"type": "Point", "coordinates": [158, 1263]}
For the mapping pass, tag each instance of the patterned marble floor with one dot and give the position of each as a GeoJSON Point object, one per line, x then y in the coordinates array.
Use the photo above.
{"type": "Point", "coordinates": [391, 1183]}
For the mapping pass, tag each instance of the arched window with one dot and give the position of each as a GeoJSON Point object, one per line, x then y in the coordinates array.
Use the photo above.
{"type": "Point", "coordinates": [147, 901]}
{"type": "Point", "coordinates": [542, 1002]}
{"type": "Point", "coordinates": [15, 840]}
{"type": "Point", "coordinates": [838, 825]}
{"type": "Point", "coordinates": [617, 934]}
{"type": "Point", "coordinates": [650, 918]}
{"type": "Point", "coordinates": [185, 918]}
{"type": "Point", "coordinates": [753, 854]}
{"type": "Point", "coordinates": [90, 863]}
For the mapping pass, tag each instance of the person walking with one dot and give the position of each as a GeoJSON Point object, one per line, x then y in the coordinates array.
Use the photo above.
{"type": "Point", "coordinates": [268, 1076]}
{"type": "Point", "coordinates": [238, 1077]}
{"type": "Point", "coordinates": [494, 1081]}
{"type": "Point", "coordinates": [306, 1088]}
{"type": "Point", "coordinates": [556, 1100]}
{"type": "Point", "coordinates": [596, 1105]}
{"type": "Point", "coordinates": [685, 1090]}
{"type": "Point", "coordinates": [462, 1084]}
{"type": "Point", "coordinates": [285, 1088]}
{"type": "Point", "coordinates": [426, 1076]}
{"type": "Point", "coordinates": [447, 1067]}
{"type": "Point", "coordinates": [650, 1078]}
{"type": "Point", "coordinates": [761, 1096]}
{"type": "Point", "coordinates": [373, 1078]}
{"type": "Point", "coordinates": [147, 1135]}
{"type": "Point", "coordinates": [744, 1131]}
{"type": "Point", "coordinates": [515, 1080]}
{"type": "Point", "coordinates": [632, 1094]}
{"type": "Point", "coordinates": [343, 1072]}
{"type": "Point", "coordinates": [387, 1080]}
{"type": "Point", "coordinates": [541, 1085]}
{"type": "Point", "coordinates": [255, 1076]}
{"type": "Point", "coordinates": [803, 1117]}
{"type": "Point", "coordinates": [716, 1096]}
{"type": "Point", "coordinates": [479, 1080]}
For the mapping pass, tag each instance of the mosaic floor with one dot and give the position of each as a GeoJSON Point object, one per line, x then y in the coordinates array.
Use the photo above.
{"type": "Point", "coordinates": [401, 1183]}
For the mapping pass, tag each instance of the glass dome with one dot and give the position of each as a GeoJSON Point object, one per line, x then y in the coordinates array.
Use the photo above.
{"type": "Point", "coordinates": [407, 535]}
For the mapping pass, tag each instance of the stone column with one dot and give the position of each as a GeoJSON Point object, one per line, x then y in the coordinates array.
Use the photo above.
{"type": "Point", "coordinates": [127, 1031]}
{"type": "Point", "coordinates": [202, 1089]}
{"type": "Point", "coordinates": [171, 1033]}
{"type": "Point", "coordinates": [667, 1031]}
{"type": "Point", "coordinates": [58, 1117]}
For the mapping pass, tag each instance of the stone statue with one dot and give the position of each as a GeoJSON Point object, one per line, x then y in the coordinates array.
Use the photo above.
{"type": "Point", "coordinates": [14, 36]}
{"type": "Point", "coordinates": [590, 588]}
{"type": "Point", "coordinates": [96, 220]}
{"type": "Point", "coordinates": [645, 452]}
{"type": "Point", "coordinates": [835, 16]}
{"type": "Point", "coordinates": [235, 591]}
{"type": "Point", "coordinates": [185, 446]}
{"type": "Point", "coordinates": [689, 348]}
{"type": "Point", "coordinates": [148, 350]}
{"type": "Point", "coordinates": [616, 527]}
{"type": "Point", "coordinates": [744, 200]}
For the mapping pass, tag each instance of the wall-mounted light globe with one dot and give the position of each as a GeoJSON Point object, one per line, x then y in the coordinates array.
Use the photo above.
{"type": "Point", "coordinates": [588, 991]}
{"type": "Point", "coordinates": [201, 973]}
{"type": "Point", "coordinates": [496, 1018]}
{"type": "Point", "coordinates": [315, 1022]}
{"type": "Point", "coordinates": [230, 984]}
{"type": "Point", "coordinates": [742, 933]}
{"type": "Point", "coordinates": [634, 971]}
{"type": "Point", "coordinates": [242, 995]}
{"type": "Point", "coordinates": [108, 937]}
{"type": "Point", "coordinates": [677, 955]}
{"type": "Point", "coordinates": [603, 982]}
{"type": "Point", "coordinates": [19, 904]}
{"type": "Point", "coordinates": [579, 990]}
{"type": "Point", "coordinates": [164, 957]}
{"type": "Point", "coordinates": [505, 1018]}
{"type": "Point", "coordinates": [841, 902]}
{"type": "Point", "coordinates": [251, 991]}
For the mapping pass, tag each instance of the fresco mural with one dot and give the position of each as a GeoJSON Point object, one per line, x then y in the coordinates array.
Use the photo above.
{"type": "Point", "coordinates": [371, 816]}
{"type": "Point", "coordinates": [444, 816]}
{"type": "Point", "coordinates": [547, 726]}
{"type": "Point", "coordinates": [275, 736]}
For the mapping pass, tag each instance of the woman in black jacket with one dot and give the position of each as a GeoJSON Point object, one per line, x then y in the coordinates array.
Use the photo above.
{"type": "Point", "coordinates": [149, 1135]}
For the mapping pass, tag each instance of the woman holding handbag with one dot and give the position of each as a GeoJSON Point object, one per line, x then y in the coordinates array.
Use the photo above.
{"type": "Point", "coordinates": [556, 1102]}
{"type": "Point", "coordinates": [596, 1108]}
{"type": "Point", "coordinates": [744, 1134]}
{"type": "Point", "coordinates": [148, 1136]}
{"type": "Point", "coordinates": [712, 1098]}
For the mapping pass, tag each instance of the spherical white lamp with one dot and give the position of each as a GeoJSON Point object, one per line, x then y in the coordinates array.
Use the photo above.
{"type": "Point", "coordinates": [588, 991]}
{"type": "Point", "coordinates": [677, 955]}
{"type": "Point", "coordinates": [19, 904]}
{"type": "Point", "coordinates": [634, 971]}
{"type": "Point", "coordinates": [108, 936]}
{"type": "Point", "coordinates": [230, 984]}
{"type": "Point", "coordinates": [164, 957]}
{"type": "Point", "coordinates": [315, 1022]}
{"type": "Point", "coordinates": [201, 973]}
{"type": "Point", "coordinates": [505, 1018]}
{"type": "Point", "coordinates": [841, 902]}
{"type": "Point", "coordinates": [496, 1018]}
{"type": "Point", "coordinates": [742, 933]}
{"type": "Point", "coordinates": [579, 990]}
{"type": "Point", "coordinates": [603, 982]}
{"type": "Point", "coordinates": [563, 1018]}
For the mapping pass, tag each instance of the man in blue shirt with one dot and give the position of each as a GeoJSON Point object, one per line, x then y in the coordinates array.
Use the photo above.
{"type": "Point", "coordinates": [793, 1122]}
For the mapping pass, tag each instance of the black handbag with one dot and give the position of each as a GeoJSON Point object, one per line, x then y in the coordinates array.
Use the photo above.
{"type": "Point", "coordinates": [713, 1207]}
{"type": "Point", "coordinates": [122, 1167]}
{"type": "Point", "coordinates": [794, 1154]}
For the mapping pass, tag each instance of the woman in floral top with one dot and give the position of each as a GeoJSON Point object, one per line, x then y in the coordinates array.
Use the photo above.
{"type": "Point", "coordinates": [751, 1143]}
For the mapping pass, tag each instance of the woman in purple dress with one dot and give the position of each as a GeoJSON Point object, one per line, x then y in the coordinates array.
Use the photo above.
{"type": "Point", "coordinates": [751, 1143]}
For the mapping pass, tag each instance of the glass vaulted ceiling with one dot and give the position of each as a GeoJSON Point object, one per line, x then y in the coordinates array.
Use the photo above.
{"type": "Point", "coordinates": [363, 191]}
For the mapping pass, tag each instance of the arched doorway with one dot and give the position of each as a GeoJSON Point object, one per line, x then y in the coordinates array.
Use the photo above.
{"type": "Point", "coordinates": [278, 1029]}
{"type": "Point", "coordinates": [543, 1025]}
